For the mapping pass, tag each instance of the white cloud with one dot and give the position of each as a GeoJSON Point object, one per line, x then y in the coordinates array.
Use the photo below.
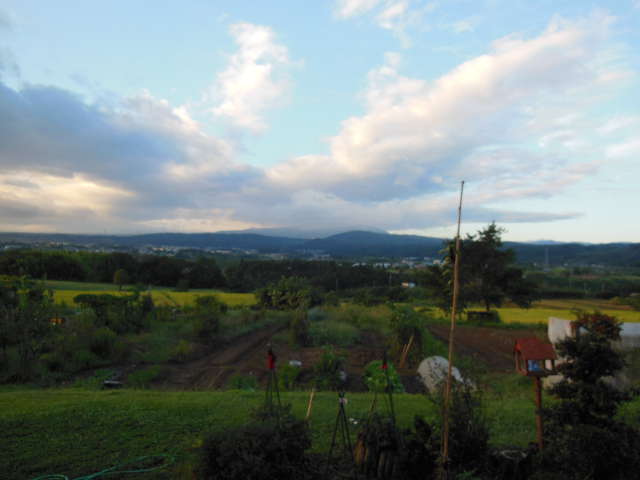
{"type": "Point", "coordinates": [255, 79]}
{"type": "Point", "coordinates": [417, 137]}
{"type": "Point", "coordinates": [351, 8]}
{"type": "Point", "coordinates": [396, 16]}
{"type": "Point", "coordinates": [513, 122]}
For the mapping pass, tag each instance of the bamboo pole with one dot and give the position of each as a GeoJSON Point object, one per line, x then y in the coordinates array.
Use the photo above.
{"type": "Point", "coordinates": [454, 304]}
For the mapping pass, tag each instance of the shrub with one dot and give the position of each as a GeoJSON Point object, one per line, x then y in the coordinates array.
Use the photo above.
{"type": "Point", "coordinates": [376, 378]}
{"type": "Point", "coordinates": [331, 332]}
{"type": "Point", "coordinates": [581, 430]}
{"type": "Point", "coordinates": [182, 351]}
{"type": "Point", "coordinates": [243, 382]}
{"type": "Point", "coordinates": [287, 376]}
{"type": "Point", "coordinates": [260, 450]}
{"type": "Point", "coordinates": [407, 323]}
{"type": "Point", "coordinates": [143, 378]}
{"type": "Point", "coordinates": [103, 342]}
{"type": "Point", "coordinates": [299, 329]}
{"type": "Point", "coordinates": [328, 370]}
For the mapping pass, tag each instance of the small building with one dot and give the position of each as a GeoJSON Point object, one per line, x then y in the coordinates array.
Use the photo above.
{"type": "Point", "coordinates": [534, 358]}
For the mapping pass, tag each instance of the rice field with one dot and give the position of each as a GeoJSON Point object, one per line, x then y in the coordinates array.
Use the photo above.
{"type": "Point", "coordinates": [160, 296]}
{"type": "Point", "coordinates": [542, 310]}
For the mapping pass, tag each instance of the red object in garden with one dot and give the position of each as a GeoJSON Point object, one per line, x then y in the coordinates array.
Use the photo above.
{"type": "Point", "coordinates": [271, 359]}
{"type": "Point", "coordinates": [384, 361]}
{"type": "Point", "coordinates": [536, 359]}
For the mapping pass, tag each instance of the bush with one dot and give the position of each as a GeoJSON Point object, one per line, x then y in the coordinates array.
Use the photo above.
{"type": "Point", "coordinates": [376, 378]}
{"type": "Point", "coordinates": [331, 332]}
{"type": "Point", "coordinates": [259, 450]}
{"type": "Point", "coordinates": [405, 324]}
{"type": "Point", "coordinates": [299, 329]}
{"type": "Point", "coordinates": [247, 383]}
{"type": "Point", "coordinates": [143, 378]}
{"type": "Point", "coordinates": [288, 376]}
{"type": "Point", "coordinates": [103, 342]}
{"type": "Point", "coordinates": [182, 351]}
{"type": "Point", "coordinates": [328, 370]}
{"type": "Point", "coordinates": [586, 439]}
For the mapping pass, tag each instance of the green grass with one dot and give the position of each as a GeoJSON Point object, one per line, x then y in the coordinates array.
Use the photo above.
{"type": "Point", "coordinates": [79, 431]}
{"type": "Point", "coordinates": [541, 315]}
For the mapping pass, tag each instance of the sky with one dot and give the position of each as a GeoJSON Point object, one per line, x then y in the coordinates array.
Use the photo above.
{"type": "Point", "coordinates": [128, 117]}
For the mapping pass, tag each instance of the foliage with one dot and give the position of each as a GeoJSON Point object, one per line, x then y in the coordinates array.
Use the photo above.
{"type": "Point", "coordinates": [25, 310]}
{"type": "Point", "coordinates": [333, 332]}
{"type": "Point", "coordinates": [258, 450]}
{"type": "Point", "coordinates": [289, 293]}
{"type": "Point", "coordinates": [299, 329]}
{"type": "Point", "coordinates": [581, 430]}
{"type": "Point", "coordinates": [487, 274]}
{"type": "Point", "coordinates": [328, 370]}
{"type": "Point", "coordinates": [247, 383]}
{"type": "Point", "coordinates": [376, 378]}
{"type": "Point", "coordinates": [182, 351]}
{"type": "Point", "coordinates": [468, 428]}
{"type": "Point", "coordinates": [120, 277]}
{"type": "Point", "coordinates": [144, 377]}
{"type": "Point", "coordinates": [405, 324]}
{"type": "Point", "coordinates": [385, 451]}
{"type": "Point", "coordinates": [288, 376]}
{"type": "Point", "coordinates": [122, 314]}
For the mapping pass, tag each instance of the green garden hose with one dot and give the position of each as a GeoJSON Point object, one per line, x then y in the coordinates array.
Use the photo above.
{"type": "Point", "coordinates": [167, 460]}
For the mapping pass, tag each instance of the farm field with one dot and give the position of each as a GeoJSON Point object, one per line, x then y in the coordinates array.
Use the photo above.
{"type": "Point", "coordinates": [543, 309]}
{"type": "Point", "coordinates": [67, 291]}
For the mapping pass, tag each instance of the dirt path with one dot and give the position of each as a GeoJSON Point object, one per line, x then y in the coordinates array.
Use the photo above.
{"type": "Point", "coordinates": [216, 368]}
{"type": "Point", "coordinates": [491, 346]}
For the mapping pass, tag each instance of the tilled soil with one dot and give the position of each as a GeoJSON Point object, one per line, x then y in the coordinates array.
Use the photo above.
{"type": "Point", "coordinates": [491, 346]}
{"type": "Point", "coordinates": [247, 356]}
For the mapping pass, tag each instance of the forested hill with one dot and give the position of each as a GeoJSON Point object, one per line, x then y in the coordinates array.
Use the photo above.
{"type": "Point", "coordinates": [354, 244]}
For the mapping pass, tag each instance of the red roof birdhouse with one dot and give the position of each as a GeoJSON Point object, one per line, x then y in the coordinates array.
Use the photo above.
{"type": "Point", "coordinates": [534, 358]}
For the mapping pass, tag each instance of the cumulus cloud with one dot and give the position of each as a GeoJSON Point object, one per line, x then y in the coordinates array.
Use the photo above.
{"type": "Point", "coordinates": [416, 135]}
{"type": "Point", "coordinates": [512, 122]}
{"type": "Point", "coordinates": [351, 8]}
{"type": "Point", "coordinates": [255, 79]}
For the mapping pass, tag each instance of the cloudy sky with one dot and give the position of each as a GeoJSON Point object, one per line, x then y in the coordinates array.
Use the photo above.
{"type": "Point", "coordinates": [129, 117]}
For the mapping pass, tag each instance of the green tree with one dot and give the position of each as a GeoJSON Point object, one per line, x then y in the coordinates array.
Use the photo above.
{"type": "Point", "coordinates": [487, 273]}
{"type": "Point", "coordinates": [583, 437]}
{"type": "Point", "coordinates": [289, 293]}
{"type": "Point", "coordinates": [120, 277]}
{"type": "Point", "coordinates": [25, 312]}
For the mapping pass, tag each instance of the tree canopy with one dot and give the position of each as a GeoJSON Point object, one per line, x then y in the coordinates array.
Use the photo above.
{"type": "Point", "coordinates": [488, 274]}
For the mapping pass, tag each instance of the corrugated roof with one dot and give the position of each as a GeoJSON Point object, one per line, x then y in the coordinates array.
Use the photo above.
{"type": "Point", "coordinates": [533, 348]}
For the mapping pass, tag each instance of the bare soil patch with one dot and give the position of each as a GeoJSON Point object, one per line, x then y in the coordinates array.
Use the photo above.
{"type": "Point", "coordinates": [491, 346]}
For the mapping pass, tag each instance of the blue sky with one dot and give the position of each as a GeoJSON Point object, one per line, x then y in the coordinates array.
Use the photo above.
{"type": "Point", "coordinates": [131, 117]}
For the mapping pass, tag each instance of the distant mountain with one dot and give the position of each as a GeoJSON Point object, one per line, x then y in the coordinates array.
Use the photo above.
{"type": "Point", "coordinates": [372, 244]}
{"type": "Point", "coordinates": [353, 244]}
{"type": "Point", "coordinates": [303, 233]}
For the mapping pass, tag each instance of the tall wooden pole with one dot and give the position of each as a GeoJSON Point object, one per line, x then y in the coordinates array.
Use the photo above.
{"type": "Point", "coordinates": [454, 305]}
{"type": "Point", "coordinates": [537, 387]}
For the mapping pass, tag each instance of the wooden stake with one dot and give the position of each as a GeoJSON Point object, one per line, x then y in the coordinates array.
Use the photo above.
{"type": "Point", "coordinates": [454, 304]}
{"type": "Point", "coordinates": [310, 406]}
{"type": "Point", "coordinates": [405, 352]}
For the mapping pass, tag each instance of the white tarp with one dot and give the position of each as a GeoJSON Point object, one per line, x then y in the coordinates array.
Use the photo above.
{"type": "Point", "coordinates": [433, 371]}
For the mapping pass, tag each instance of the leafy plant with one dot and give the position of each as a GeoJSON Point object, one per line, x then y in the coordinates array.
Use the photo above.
{"type": "Point", "coordinates": [332, 332]}
{"type": "Point", "coordinates": [260, 450]}
{"type": "Point", "coordinates": [586, 439]}
{"type": "Point", "coordinates": [247, 383]}
{"type": "Point", "coordinates": [327, 372]}
{"type": "Point", "coordinates": [376, 378]}
{"type": "Point", "coordinates": [143, 378]}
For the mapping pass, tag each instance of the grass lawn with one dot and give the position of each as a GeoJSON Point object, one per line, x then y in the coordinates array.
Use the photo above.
{"type": "Point", "coordinates": [77, 432]}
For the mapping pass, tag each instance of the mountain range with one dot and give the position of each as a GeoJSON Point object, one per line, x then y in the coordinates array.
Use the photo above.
{"type": "Point", "coordinates": [352, 244]}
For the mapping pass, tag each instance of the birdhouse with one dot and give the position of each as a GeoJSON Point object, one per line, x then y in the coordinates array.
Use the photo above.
{"type": "Point", "coordinates": [534, 358]}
